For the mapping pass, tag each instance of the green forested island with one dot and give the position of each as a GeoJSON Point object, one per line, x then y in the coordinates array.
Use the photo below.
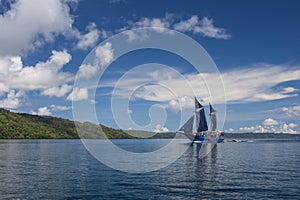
{"type": "Point", "coordinates": [26, 126]}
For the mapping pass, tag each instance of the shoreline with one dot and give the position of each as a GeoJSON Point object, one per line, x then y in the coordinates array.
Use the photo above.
{"type": "Point", "coordinates": [228, 136]}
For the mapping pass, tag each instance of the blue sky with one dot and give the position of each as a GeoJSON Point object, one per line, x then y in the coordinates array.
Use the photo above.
{"type": "Point", "coordinates": [254, 44]}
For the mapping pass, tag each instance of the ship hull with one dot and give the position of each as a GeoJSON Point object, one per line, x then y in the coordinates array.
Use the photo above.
{"type": "Point", "coordinates": [208, 138]}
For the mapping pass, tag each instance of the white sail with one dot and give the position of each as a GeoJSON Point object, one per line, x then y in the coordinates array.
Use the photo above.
{"type": "Point", "coordinates": [188, 126]}
{"type": "Point", "coordinates": [213, 119]}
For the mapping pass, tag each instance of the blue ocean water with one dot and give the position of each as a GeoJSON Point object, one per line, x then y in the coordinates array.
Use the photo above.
{"type": "Point", "coordinates": [63, 169]}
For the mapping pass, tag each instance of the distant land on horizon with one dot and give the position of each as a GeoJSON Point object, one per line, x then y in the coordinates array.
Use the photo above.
{"type": "Point", "coordinates": [27, 126]}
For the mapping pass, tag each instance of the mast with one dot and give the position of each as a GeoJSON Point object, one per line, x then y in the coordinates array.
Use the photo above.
{"type": "Point", "coordinates": [213, 118]}
{"type": "Point", "coordinates": [197, 108]}
{"type": "Point", "coordinates": [201, 123]}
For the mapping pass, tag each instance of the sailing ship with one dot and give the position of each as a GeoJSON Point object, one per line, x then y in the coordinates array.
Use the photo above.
{"type": "Point", "coordinates": [202, 134]}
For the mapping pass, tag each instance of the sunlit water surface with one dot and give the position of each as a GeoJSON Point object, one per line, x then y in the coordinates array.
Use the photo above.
{"type": "Point", "coordinates": [63, 169]}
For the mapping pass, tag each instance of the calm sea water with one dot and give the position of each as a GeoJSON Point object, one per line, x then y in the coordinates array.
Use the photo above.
{"type": "Point", "coordinates": [63, 169]}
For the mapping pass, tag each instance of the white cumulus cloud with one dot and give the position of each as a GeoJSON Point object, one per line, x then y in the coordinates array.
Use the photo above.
{"type": "Point", "coordinates": [180, 103]}
{"type": "Point", "coordinates": [205, 27]}
{"type": "Point", "coordinates": [160, 129]}
{"type": "Point", "coordinates": [48, 110]}
{"type": "Point", "coordinates": [90, 38]}
{"type": "Point", "coordinates": [29, 24]}
{"type": "Point", "coordinates": [78, 94]}
{"type": "Point", "coordinates": [187, 25]}
{"type": "Point", "coordinates": [105, 53]}
{"type": "Point", "coordinates": [271, 126]}
{"type": "Point", "coordinates": [151, 22]}
{"type": "Point", "coordinates": [46, 77]}
{"type": "Point", "coordinates": [59, 91]}
{"type": "Point", "coordinates": [42, 111]}
{"type": "Point", "coordinates": [41, 76]}
{"type": "Point", "coordinates": [86, 71]}
{"type": "Point", "coordinates": [13, 99]}
{"type": "Point", "coordinates": [291, 111]}
{"type": "Point", "coordinates": [270, 122]}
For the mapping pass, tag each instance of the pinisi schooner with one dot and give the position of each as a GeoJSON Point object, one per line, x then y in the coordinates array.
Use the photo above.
{"type": "Point", "coordinates": [202, 134]}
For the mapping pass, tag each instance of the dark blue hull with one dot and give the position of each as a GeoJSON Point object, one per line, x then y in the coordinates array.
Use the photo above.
{"type": "Point", "coordinates": [203, 139]}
